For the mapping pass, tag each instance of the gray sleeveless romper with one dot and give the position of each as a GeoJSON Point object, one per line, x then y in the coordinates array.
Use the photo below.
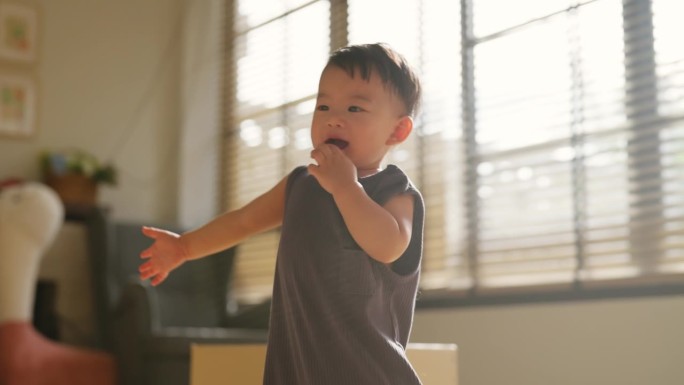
{"type": "Point", "coordinates": [337, 315]}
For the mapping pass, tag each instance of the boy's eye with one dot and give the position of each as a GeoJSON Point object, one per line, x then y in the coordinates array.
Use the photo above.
{"type": "Point", "coordinates": [355, 109]}
{"type": "Point", "coordinates": [322, 107]}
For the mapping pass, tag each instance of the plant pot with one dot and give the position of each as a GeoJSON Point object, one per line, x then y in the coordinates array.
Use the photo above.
{"type": "Point", "coordinates": [74, 189]}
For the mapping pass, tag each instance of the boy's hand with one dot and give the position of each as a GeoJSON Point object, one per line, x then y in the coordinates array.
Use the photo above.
{"type": "Point", "coordinates": [335, 171]}
{"type": "Point", "coordinates": [166, 253]}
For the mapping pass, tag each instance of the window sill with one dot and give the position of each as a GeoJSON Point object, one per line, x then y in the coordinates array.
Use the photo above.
{"type": "Point", "coordinates": [579, 292]}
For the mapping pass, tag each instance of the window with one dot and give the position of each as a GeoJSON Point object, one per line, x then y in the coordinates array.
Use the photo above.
{"type": "Point", "coordinates": [278, 47]}
{"type": "Point", "coordinates": [549, 146]}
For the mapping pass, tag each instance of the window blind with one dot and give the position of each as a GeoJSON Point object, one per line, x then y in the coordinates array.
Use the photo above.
{"type": "Point", "coordinates": [549, 147]}
{"type": "Point", "coordinates": [575, 158]}
{"type": "Point", "coordinates": [428, 34]}
{"type": "Point", "coordinates": [278, 48]}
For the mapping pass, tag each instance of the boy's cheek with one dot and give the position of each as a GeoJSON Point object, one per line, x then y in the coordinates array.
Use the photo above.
{"type": "Point", "coordinates": [315, 141]}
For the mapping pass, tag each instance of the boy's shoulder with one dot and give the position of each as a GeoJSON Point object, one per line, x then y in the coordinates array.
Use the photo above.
{"type": "Point", "coordinates": [388, 183]}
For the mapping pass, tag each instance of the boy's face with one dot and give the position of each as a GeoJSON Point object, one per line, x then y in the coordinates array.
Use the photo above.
{"type": "Point", "coordinates": [360, 117]}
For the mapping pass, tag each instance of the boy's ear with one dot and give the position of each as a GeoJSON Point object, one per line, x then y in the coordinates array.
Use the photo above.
{"type": "Point", "coordinates": [401, 131]}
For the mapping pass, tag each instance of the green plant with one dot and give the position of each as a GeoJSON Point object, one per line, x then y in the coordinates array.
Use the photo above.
{"type": "Point", "coordinates": [78, 162]}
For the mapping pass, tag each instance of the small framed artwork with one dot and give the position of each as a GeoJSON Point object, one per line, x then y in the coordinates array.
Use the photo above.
{"type": "Point", "coordinates": [18, 32]}
{"type": "Point", "coordinates": [17, 106]}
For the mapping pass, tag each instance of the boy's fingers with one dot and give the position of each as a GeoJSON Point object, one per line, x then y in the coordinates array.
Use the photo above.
{"type": "Point", "coordinates": [145, 266]}
{"type": "Point", "coordinates": [150, 232]}
{"type": "Point", "coordinates": [146, 273]}
{"type": "Point", "coordinates": [332, 149]}
{"type": "Point", "coordinates": [315, 171]}
{"type": "Point", "coordinates": [159, 278]}
{"type": "Point", "coordinates": [147, 253]}
{"type": "Point", "coordinates": [327, 150]}
{"type": "Point", "coordinates": [315, 154]}
{"type": "Point", "coordinates": [320, 153]}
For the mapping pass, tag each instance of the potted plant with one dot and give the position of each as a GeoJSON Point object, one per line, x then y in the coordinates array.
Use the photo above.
{"type": "Point", "coordinates": [75, 175]}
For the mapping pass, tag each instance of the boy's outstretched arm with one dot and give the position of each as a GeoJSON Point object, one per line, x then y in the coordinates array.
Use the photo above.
{"type": "Point", "coordinates": [171, 250]}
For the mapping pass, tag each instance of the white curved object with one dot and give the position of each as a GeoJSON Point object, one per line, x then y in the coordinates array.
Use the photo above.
{"type": "Point", "coordinates": [30, 216]}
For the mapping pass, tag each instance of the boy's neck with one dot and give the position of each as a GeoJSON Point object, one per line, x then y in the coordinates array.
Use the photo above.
{"type": "Point", "coordinates": [362, 173]}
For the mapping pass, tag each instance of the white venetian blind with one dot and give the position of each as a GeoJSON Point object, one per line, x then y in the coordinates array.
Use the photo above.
{"type": "Point", "coordinates": [579, 148]}
{"type": "Point", "coordinates": [278, 49]}
{"type": "Point", "coordinates": [549, 147]}
{"type": "Point", "coordinates": [428, 33]}
{"type": "Point", "coordinates": [669, 72]}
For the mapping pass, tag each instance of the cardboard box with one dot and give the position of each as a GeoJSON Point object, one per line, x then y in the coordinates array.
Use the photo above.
{"type": "Point", "coordinates": [243, 364]}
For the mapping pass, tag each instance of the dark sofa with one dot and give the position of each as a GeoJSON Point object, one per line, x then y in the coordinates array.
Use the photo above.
{"type": "Point", "coordinates": [150, 329]}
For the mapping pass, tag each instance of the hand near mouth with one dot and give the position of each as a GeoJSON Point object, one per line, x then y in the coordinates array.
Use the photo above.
{"type": "Point", "coordinates": [334, 170]}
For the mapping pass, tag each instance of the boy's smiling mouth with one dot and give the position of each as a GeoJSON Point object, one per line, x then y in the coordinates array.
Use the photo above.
{"type": "Point", "coordinates": [341, 144]}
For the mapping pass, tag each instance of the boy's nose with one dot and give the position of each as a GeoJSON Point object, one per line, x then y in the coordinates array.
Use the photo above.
{"type": "Point", "coordinates": [334, 121]}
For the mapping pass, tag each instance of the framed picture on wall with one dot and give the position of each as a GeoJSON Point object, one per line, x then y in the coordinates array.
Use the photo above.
{"type": "Point", "coordinates": [18, 32]}
{"type": "Point", "coordinates": [18, 111]}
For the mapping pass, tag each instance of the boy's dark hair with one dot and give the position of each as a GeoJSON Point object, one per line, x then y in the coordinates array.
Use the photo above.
{"type": "Point", "coordinates": [392, 67]}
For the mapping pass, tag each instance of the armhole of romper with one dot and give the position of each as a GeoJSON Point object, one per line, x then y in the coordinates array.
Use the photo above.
{"type": "Point", "coordinates": [409, 262]}
{"type": "Point", "coordinates": [399, 183]}
{"type": "Point", "coordinates": [294, 174]}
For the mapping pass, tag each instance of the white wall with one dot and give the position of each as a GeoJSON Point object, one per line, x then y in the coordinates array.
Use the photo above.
{"type": "Point", "coordinates": [109, 74]}
{"type": "Point", "coordinates": [634, 341]}
{"type": "Point", "coordinates": [201, 99]}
